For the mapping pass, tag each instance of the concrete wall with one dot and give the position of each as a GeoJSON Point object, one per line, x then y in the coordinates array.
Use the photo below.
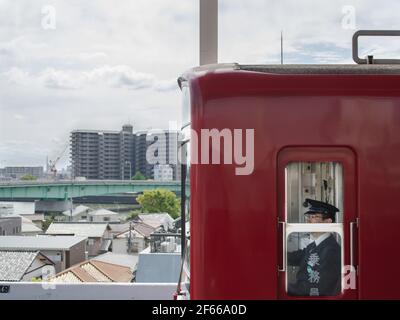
{"type": "Point", "coordinates": [56, 256]}
{"type": "Point", "coordinates": [77, 253]}
{"type": "Point", "coordinates": [120, 245]}
{"type": "Point", "coordinates": [93, 246]}
{"type": "Point", "coordinates": [88, 291]}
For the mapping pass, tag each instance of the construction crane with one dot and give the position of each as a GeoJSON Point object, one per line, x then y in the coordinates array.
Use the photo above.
{"type": "Point", "coordinates": [52, 163]}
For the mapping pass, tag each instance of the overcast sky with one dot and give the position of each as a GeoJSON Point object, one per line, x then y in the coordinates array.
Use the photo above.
{"type": "Point", "coordinates": [102, 63]}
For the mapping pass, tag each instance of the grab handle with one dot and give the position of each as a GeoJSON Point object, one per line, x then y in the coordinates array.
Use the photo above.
{"type": "Point", "coordinates": [373, 33]}
{"type": "Point", "coordinates": [283, 269]}
{"type": "Point", "coordinates": [352, 225]}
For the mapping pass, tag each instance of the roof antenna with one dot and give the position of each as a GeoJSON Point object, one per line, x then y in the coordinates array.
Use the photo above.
{"type": "Point", "coordinates": [281, 47]}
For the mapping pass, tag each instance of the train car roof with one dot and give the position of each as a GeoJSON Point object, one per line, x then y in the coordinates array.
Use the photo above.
{"type": "Point", "coordinates": [293, 69]}
{"type": "Point", "coordinates": [324, 68]}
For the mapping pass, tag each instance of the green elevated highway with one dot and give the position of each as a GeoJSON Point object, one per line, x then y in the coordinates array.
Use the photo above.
{"type": "Point", "coordinates": [65, 190]}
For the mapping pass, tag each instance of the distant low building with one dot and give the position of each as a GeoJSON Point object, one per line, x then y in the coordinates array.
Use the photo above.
{"type": "Point", "coordinates": [80, 213]}
{"type": "Point", "coordinates": [19, 172]}
{"type": "Point", "coordinates": [156, 220]}
{"type": "Point", "coordinates": [95, 271]}
{"type": "Point", "coordinates": [6, 208]}
{"type": "Point", "coordinates": [103, 215]}
{"type": "Point", "coordinates": [97, 234]}
{"type": "Point", "coordinates": [163, 172]}
{"type": "Point", "coordinates": [10, 225]}
{"type": "Point", "coordinates": [63, 251]}
{"type": "Point", "coordinates": [22, 265]}
{"type": "Point", "coordinates": [37, 219]}
{"type": "Point", "coordinates": [28, 228]}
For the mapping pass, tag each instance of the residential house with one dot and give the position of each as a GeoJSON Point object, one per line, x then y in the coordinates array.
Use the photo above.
{"type": "Point", "coordinates": [157, 220]}
{"type": "Point", "coordinates": [118, 228]}
{"type": "Point", "coordinates": [28, 228]}
{"type": "Point", "coordinates": [63, 251]}
{"type": "Point", "coordinates": [134, 239]}
{"type": "Point", "coordinates": [95, 271]}
{"type": "Point", "coordinates": [97, 234]}
{"type": "Point", "coordinates": [37, 219]}
{"type": "Point", "coordinates": [80, 213]}
{"type": "Point", "coordinates": [22, 265]}
{"type": "Point", "coordinates": [103, 215]}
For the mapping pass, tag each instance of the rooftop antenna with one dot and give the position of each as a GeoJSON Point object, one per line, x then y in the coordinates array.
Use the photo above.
{"type": "Point", "coordinates": [281, 47]}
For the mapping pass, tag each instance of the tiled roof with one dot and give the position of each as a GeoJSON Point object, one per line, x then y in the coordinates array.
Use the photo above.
{"type": "Point", "coordinates": [141, 228]}
{"type": "Point", "coordinates": [78, 210]}
{"type": "Point", "coordinates": [157, 219]}
{"type": "Point", "coordinates": [14, 264]}
{"type": "Point", "coordinates": [95, 271]}
{"type": "Point", "coordinates": [127, 260]}
{"type": "Point", "coordinates": [90, 230]}
{"type": "Point", "coordinates": [33, 243]}
{"type": "Point", "coordinates": [34, 217]}
{"type": "Point", "coordinates": [117, 228]}
{"type": "Point", "coordinates": [103, 212]}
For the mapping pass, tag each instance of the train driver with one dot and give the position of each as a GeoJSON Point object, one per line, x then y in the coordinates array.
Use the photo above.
{"type": "Point", "coordinates": [319, 263]}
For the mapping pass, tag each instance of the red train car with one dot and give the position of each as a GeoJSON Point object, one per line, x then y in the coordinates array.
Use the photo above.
{"type": "Point", "coordinates": [284, 134]}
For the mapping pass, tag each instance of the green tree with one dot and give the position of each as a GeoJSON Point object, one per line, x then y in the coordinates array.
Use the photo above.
{"type": "Point", "coordinates": [160, 200]}
{"type": "Point", "coordinates": [36, 279]}
{"type": "Point", "coordinates": [28, 177]}
{"type": "Point", "coordinates": [47, 223]}
{"type": "Point", "coordinates": [138, 176]}
{"type": "Point", "coordinates": [133, 214]}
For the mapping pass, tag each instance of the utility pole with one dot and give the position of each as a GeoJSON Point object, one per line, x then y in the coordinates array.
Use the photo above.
{"type": "Point", "coordinates": [130, 237]}
{"type": "Point", "coordinates": [71, 209]}
{"type": "Point", "coordinates": [208, 31]}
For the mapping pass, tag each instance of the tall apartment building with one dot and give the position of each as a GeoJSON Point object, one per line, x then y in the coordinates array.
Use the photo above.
{"type": "Point", "coordinates": [103, 155]}
{"type": "Point", "coordinates": [167, 152]}
{"type": "Point", "coordinates": [117, 155]}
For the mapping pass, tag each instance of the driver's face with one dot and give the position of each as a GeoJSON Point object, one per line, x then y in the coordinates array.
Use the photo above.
{"type": "Point", "coordinates": [316, 218]}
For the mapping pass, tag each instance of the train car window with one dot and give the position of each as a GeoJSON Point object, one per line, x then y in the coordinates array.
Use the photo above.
{"type": "Point", "coordinates": [314, 264]}
{"type": "Point", "coordinates": [322, 181]}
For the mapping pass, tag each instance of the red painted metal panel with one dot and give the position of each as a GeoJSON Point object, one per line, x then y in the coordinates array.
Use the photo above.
{"type": "Point", "coordinates": [234, 233]}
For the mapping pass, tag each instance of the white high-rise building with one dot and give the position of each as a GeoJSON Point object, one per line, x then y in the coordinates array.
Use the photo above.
{"type": "Point", "coordinates": [163, 172]}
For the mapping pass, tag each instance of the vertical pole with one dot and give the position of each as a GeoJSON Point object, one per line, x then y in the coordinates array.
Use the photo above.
{"type": "Point", "coordinates": [208, 31]}
{"type": "Point", "coordinates": [72, 208]}
{"type": "Point", "coordinates": [281, 48]}
{"type": "Point", "coordinates": [130, 237]}
{"type": "Point", "coordinates": [183, 200]}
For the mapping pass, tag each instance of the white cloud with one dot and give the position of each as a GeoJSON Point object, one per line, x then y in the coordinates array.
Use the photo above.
{"type": "Point", "coordinates": [120, 76]}
{"type": "Point", "coordinates": [18, 116]}
{"type": "Point", "coordinates": [118, 62]}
